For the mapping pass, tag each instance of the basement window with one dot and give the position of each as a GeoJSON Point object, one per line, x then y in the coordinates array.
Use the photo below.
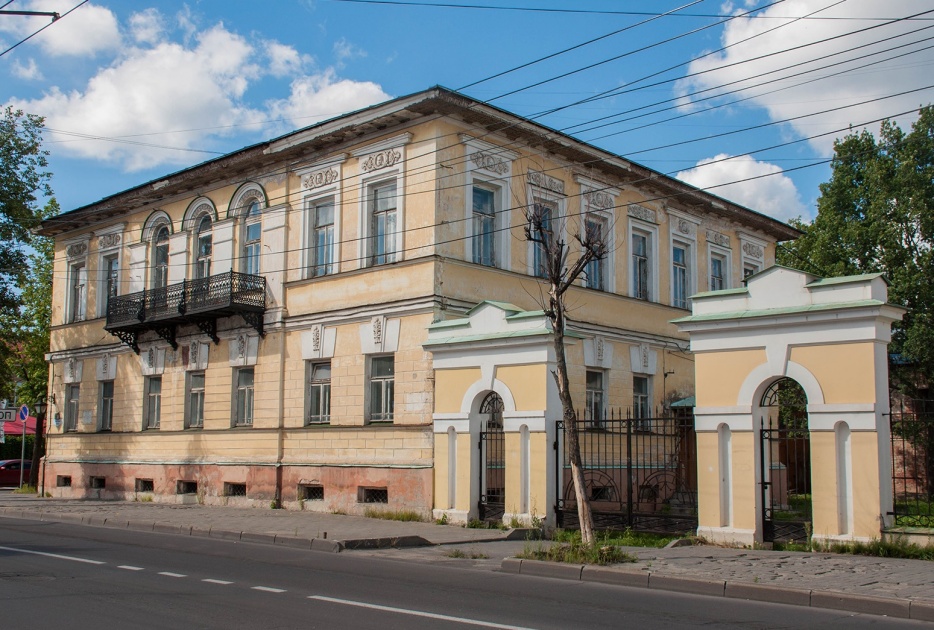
{"type": "Point", "coordinates": [145, 485]}
{"type": "Point", "coordinates": [311, 493]}
{"type": "Point", "coordinates": [372, 495]}
{"type": "Point", "coordinates": [186, 487]}
{"type": "Point", "coordinates": [234, 489]}
{"type": "Point", "coordinates": [63, 481]}
{"type": "Point", "coordinates": [98, 483]}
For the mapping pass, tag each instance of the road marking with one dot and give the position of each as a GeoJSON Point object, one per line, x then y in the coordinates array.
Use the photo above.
{"type": "Point", "coordinates": [417, 613]}
{"type": "Point", "coordinates": [170, 574]}
{"type": "Point", "coordinates": [130, 568]}
{"type": "Point", "coordinates": [53, 555]}
{"type": "Point", "coordinates": [268, 589]}
{"type": "Point", "coordinates": [210, 581]}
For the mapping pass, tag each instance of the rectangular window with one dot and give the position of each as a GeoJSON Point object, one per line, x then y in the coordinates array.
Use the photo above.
{"type": "Point", "coordinates": [318, 393]}
{"type": "Point", "coordinates": [382, 385]}
{"type": "Point", "coordinates": [596, 231]}
{"type": "Point", "coordinates": [195, 400]}
{"type": "Point", "coordinates": [251, 249]}
{"type": "Point", "coordinates": [152, 405]}
{"type": "Point", "coordinates": [111, 270]}
{"type": "Point", "coordinates": [641, 402]}
{"type": "Point", "coordinates": [750, 269]}
{"type": "Point", "coordinates": [484, 226]}
{"type": "Point", "coordinates": [717, 265]}
{"type": "Point", "coordinates": [640, 266]}
{"type": "Point", "coordinates": [596, 411]}
{"type": "Point", "coordinates": [72, 395]}
{"type": "Point", "coordinates": [106, 406]}
{"type": "Point", "coordinates": [679, 276]}
{"type": "Point", "coordinates": [323, 238]}
{"type": "Point", "coordinates": [382, 241]}
{"type": "Point", "coordinates": [78, 308]}
{"type": "Point", "coordinates": [546, 213]}
{"type": "Point", "coordinates": [244, 398]}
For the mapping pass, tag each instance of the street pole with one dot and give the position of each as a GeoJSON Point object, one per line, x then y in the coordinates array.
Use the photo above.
{"type": "Point", "coordinates": [22, 455]}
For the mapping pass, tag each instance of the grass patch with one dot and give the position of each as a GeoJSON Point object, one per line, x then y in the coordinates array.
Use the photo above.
{"type": "Point", "coordinates": [407, 516]}
{"type": "Point", "coordinates": [879, 548]}
{"type": "Point", "coordinates": [470, 555]}
{"type": "Point", "coordinates": [476, 523]}
{"type": "Point", "coordinates": [25, 489]}
{"type": "Point", "coordinates": [625, 538]}
{"type": "Point", "coordinates": [569, 548]}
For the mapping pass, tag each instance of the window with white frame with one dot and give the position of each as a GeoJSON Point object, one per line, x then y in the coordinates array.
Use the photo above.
{"type": "Point", "coordinates": [642, 402]}
{"type": "Point", "coordinates": [596, 409]}
{"type": "Point", "coordinates": [78, 292]}
{"type": "Point", "coordinates": [641, 265]}
{"type": "Point", "coordinates": [194, 407]}
{"type": "Point", "coordinates": [719, 270]}
{"type": "Point", "coordinates": [749, 269]}
{"type": "Point", "coordinates": [484, 225]}
{"type": "Point", "coordinates": [72, 397]}
{"type": "Point", "coordinates": [595, 275]}
{"type": "Point", "coordinates": [110, 276]}
{"type": "Point", "coordinates": [105, 406]}
{"type": "Point", "coordinates": [252, 238]}
{"type": "Point", "coordinates": [322, 257]}
{"type": "Point", "coordinates": [152, 403]}
{"type": "Point", "coordinates": [382, 209]}
{"type": "Point", "coordinates": [680, 274]}
{"type": "Point", "coordinates": [381, 400]}
{"type": "Point", "coordinates": [243, 397]}
{"type": "Point", "coordinates": [544, 232]}
{"type": "Point", "coordinates": [317, 392]}
{"type": "Point", "coordinates": [159, 260]}
{"type": "Point", "coordinates": [204, 247]}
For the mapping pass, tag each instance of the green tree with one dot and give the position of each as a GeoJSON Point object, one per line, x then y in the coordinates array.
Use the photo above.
{"type": "Point", "coordinates": [876, 214]}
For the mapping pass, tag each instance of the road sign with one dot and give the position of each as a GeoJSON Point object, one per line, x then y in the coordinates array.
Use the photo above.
{"type": "Point", "coordinates": [23, 413]}
{"type": "Point", "coordinates": [6, 415]}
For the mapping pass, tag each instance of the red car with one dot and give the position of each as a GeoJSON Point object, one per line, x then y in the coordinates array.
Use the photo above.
{"type": "Point", "coordinates": [10, 470]}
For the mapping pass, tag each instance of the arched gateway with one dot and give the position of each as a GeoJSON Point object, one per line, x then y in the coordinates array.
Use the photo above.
{"type": "Point", "coordinates": [791, 378]}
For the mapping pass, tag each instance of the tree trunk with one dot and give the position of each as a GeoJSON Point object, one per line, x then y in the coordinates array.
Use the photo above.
{"type": "Point", "coordinates": [584, 515]}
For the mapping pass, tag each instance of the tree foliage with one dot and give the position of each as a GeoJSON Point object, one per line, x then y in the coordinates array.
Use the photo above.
{"type": "Point", "coordinates": [876, 214]}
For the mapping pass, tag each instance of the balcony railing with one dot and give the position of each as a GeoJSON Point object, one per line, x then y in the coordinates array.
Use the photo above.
{"type": "Point", "coordinates": [199, 301]}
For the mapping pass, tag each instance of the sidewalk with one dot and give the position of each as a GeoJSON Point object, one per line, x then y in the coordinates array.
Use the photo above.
{"type": "Point", "coordinates": [880, 586]}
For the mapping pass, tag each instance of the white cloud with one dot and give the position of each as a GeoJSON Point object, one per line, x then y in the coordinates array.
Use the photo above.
{"type": "Point", "coordinates": [322, 96]}
{"type": "Point", "coordinates": [852, 87]}
{"type": "Point", "coordinates": [345, 51]}
{"type": "Point", "coordinates": [28, 71]}
{"type": "Point", "coordinates": [87, 31]}
{"type": "Point", "coordinates": [147, 27]}
{"type": "Point", "coordinates": [285, 60]}
{"type": "Point", "coordinates": [775, 195]}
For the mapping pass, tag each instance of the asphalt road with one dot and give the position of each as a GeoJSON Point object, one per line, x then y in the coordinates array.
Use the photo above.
{"type": "Point", "coordinates": [58, 575]}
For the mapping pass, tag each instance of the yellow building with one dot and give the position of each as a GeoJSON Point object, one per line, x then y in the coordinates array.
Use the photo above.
{"type": "Point", "coordinates": [298, 321]}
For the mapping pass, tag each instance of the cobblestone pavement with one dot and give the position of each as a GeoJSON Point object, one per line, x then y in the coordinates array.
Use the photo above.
{"type": "Point", "coordinates": [486, 549]}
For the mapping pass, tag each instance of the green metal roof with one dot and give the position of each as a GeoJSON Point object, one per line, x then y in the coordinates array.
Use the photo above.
{"type": "Point", "coordinates": [771, 312]}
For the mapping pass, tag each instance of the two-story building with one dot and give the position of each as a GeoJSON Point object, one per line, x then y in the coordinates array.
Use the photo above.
{"type": "Point", "coordinates": [330, 319]}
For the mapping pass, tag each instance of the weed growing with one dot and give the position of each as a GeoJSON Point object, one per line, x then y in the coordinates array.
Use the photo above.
{"type": "Point", "coordinates": [569, 548]}
{"type": "Point", "coordinates": [407, 516]}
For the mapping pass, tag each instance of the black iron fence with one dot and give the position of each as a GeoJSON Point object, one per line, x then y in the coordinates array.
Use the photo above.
{"type": "Point", "coordinates": [912, 427]}
{"type": "Point", "coordinates": [639, 473]}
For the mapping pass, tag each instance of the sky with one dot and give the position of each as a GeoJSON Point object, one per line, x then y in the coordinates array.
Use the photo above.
{"type": "Point", "coordinates": [743, 98]}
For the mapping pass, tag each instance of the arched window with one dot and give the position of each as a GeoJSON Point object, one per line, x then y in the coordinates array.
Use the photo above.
{"type": "Point", "coordinates": [160, 258]}
{"type": "Point", "coordinates": [204, 248]}
{"type": "Point", "coordinates": [252, 237]}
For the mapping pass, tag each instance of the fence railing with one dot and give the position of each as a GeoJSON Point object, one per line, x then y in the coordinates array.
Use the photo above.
{"type": "Point", "coordinates": [639, 473]}
{"type": "Point", "coordinates": [912, 428]}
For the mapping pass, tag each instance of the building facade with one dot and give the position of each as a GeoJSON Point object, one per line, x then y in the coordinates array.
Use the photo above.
{"type": "Point", "coordinates": [317, 321]}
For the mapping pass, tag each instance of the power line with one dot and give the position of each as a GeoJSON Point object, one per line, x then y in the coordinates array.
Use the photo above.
{"type": "Point", "coordinates": [22, 41]}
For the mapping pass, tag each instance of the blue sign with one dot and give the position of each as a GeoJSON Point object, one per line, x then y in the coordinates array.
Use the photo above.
{"type": "Point", "coordinates": [23, 413]}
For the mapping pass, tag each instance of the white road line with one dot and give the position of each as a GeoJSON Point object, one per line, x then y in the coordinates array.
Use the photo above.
{"type": "Point", "coordinates": [268, 589]}
{"type": "Point", "coordinates": [170, 574]}
{"type": "Point", "coordinates": [130, 568]}
{"type": "Point", "coordinates": [211, 581]}
{"type": "Point", "coordinates": [417, 613]}
{"type": "Point", "coordinates": [53, 555]}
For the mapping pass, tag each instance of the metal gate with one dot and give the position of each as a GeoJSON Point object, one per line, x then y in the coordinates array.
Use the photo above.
{"type": "Point", "coordinates": [785, 464]}
{"type": "Point", "coordinates": [492, 504]}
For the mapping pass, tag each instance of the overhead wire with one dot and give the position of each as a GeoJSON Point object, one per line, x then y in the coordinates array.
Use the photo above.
{"type": "Point", "coordinates": [26, 39]}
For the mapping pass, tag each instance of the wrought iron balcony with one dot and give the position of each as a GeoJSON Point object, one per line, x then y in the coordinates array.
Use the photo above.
{"type": "Point", "coordinates": [200, 302]}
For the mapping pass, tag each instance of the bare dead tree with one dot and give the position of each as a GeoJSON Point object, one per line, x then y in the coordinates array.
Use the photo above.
{"type": "Point", "coordinates": [543, 230]}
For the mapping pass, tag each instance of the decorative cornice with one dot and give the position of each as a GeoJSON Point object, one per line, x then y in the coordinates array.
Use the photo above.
{"type": "Point", "coordinates": [537, 178]}
{"type": "Point", "coordinates": [489, 162]}
{"type": "Point", "coordinates": [752, 250]}
{"type": "Point", "coordinates": [718, 238]}
{"type": "Point", "coordinates": [600, 200]}
{"type": "Point", "coordinates": [642, 213]}
{"type": "Point", "coordinates": [383, 159]}
{"type": "Point", "coordinates": [323, 177]}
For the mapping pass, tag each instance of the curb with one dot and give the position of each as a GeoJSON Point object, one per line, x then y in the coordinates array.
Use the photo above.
{"type": "Point", "coordinates": [865, 604]}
